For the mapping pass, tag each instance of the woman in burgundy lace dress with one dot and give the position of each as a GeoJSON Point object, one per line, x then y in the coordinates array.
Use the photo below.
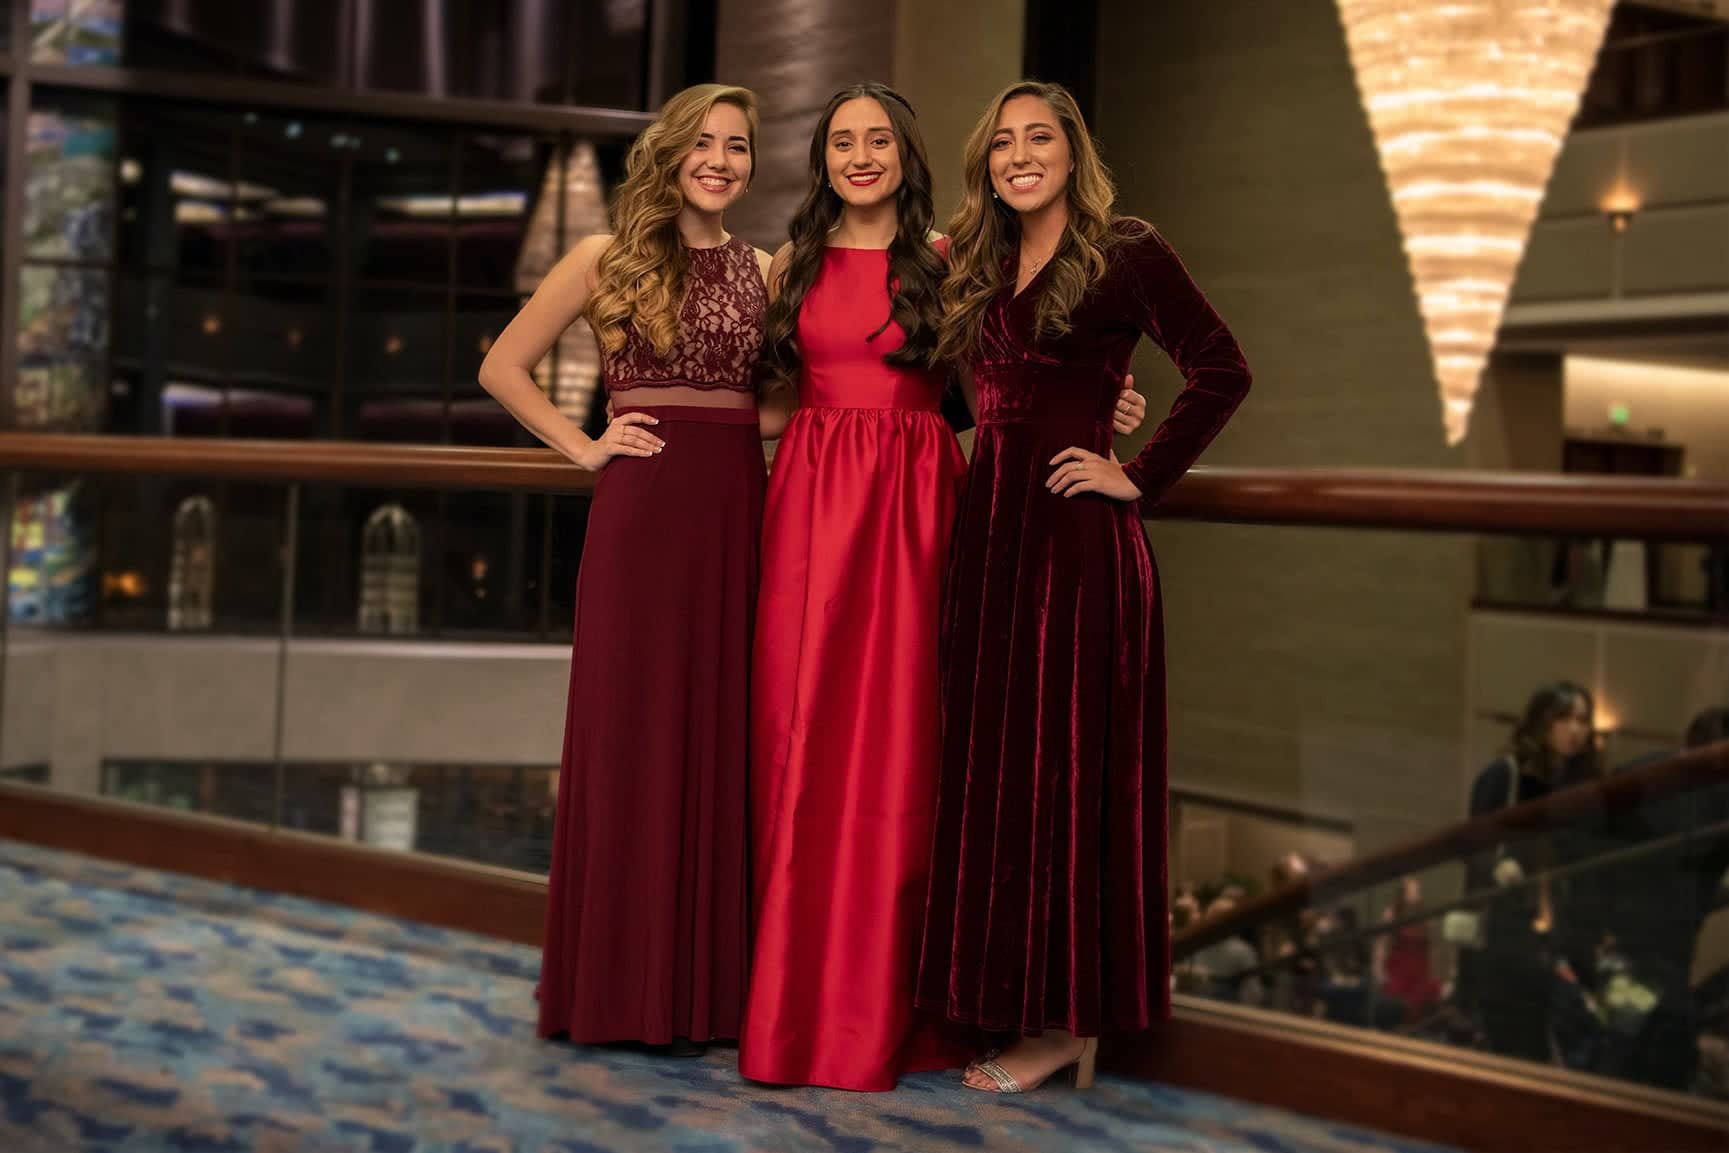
{"type": "Point", "coordinates": [646, 931]}
{"type": "Point", "coordinates": [1046, 917]}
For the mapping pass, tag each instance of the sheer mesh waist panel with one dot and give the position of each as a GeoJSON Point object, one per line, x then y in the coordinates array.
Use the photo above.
{"type": "Point", "coordinates": [683, 395]}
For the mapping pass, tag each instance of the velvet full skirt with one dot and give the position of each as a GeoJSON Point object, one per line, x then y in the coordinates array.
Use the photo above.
{"type": "Point", "coordinates": [1048, 894]}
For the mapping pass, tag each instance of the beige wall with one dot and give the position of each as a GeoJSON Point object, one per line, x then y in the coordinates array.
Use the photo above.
{"type": "Point", "coordinates": [1307, 668]}
{"type": "Point", "coordinates": [1516, 426]}
{"type": "Point", "coordinates": [950, 86]}
{"type": "Point", "coordinates": [1649, 679]}
{"type": "Point", "coordinates": [74, 701]}
{"type": "Point", "coordinates": [1676, 405]}
{"type": "Point", "coordinates": [1677, 172]}
{"type": "Point", "coordinates": [1241, 844]}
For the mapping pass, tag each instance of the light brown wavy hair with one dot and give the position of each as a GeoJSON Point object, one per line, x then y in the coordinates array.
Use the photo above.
{"type": "Point", "coordinates": [985, 233]}
{"type": "Point", "coordinates": [639, 282]}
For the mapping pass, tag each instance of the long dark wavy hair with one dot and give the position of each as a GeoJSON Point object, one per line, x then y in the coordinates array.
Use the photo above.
{"type": "Point", "coordinates": [1530, 743]}
{"type": "Point", "coordinates": [915, 271]}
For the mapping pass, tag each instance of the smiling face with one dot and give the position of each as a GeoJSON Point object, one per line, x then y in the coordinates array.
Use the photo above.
{"type": "Point", "coordinates": [717, 170]}
{"type": "Point", "coordinates": [863, 155]}
{"type": "Point", "coordinates": [1030, 158]}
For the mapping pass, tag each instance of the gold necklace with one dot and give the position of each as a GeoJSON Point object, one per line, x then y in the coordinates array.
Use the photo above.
{"type": "Point", "coordinates": [1034, 267]}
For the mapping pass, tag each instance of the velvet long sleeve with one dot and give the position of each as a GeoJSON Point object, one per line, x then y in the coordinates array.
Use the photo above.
{"type": "Point", "coordinates": [1167, 305]}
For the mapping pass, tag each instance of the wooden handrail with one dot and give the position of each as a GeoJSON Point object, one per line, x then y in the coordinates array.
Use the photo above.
{"type": "Point", "coordinates": [319, 461]}
{"type": "Point", "coordinates": [1677, 774]}
{"type": "Point", "coordinates": [1393, 499]}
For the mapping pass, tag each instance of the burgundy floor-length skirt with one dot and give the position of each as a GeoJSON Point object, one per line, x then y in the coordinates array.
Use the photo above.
{"type": "Point", "coordinates": [1047, 901]}
{"type": "Point", "coordinates": [647, 935]}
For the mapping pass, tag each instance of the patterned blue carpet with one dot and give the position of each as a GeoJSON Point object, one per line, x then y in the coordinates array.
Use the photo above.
{"type": "Point", "coordinates": [140, 1011]}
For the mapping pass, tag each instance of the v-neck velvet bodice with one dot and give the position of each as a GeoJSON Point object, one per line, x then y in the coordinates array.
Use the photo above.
{"type": "Point", "coordinates": [1075, 377]}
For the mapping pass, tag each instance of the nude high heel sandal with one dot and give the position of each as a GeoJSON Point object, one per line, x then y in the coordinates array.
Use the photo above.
{"type": "Point", "coordinates": [1083, 1067]}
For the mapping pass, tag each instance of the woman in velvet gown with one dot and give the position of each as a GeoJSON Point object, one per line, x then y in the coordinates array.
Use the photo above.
{"type": "Point", "coordinates": [647, 933]}
{"type": "Point", "coordinates": [1046, 917]}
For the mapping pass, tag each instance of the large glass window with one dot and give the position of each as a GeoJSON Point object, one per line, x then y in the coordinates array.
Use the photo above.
{"type": "Point", "coordinates": [198, 269]}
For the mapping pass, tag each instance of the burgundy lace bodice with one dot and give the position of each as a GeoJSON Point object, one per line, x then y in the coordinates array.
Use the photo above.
{"type": "Point", "coordinates": [719, 328]}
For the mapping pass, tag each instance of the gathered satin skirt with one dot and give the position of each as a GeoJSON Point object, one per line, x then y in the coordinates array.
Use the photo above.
{"type": "Point", "coordinates": [647, 932]}
{"type": "Point", "coordinates": [1048, 876]}
{"type": "Point", "coordinates": [844, 736]}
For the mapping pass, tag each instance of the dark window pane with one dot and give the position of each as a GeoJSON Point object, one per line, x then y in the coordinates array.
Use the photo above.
{"type": "Point", "coordinates": [397, 352]}
{"type": "Point", "coordinates": [178, 197]}
{"type": "Point", "coordinates": [475, 417]}
{"type": "Point", "coordinates": [292, 169]}
{"type": "Point", "coordinates": [268, 38]}
{"type": "Point", "coordinates": [190, 555]}
{"type": "Point", "coordinates": [285, 354]}
{"type": "Point", "coordinates": [500, 49]}
{"type": "Point", "coordinates": [404, 215]}
{"type": "Point", "coordinates": [184, 35]}
{"type": "Point", "coordinates": [569, 526]}
{"type": "Point", "coordinates": [288, 39]}
{"type": "Point", "coordinates": [484, 563]}
{"type": "Point", "coordinates": [502, 202]}
{"type": "Point", "coordinates": [608, 49]}
{"type": "Point", "coordinates": [362, 561]}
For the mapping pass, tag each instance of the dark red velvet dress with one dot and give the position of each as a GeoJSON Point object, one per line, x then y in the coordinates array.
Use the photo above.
{"type": "Point", "coordinates": [647, 935]}
{"type": "Point", "coordinates": [1048, 875]}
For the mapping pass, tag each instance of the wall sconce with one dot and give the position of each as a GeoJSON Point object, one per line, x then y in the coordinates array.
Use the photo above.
{"type": "Point", "coordinates": [1619, 208]}
{"type": "Point", "coordinates": [393, 345]}
{"type": "Point", "coordinates": [212, 324]}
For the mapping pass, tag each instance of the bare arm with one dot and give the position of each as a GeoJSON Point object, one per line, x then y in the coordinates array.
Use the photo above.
{"type": "Point", "coordinates": [507, 371]}
{"type": "Point", "coordinates": [776, 409]}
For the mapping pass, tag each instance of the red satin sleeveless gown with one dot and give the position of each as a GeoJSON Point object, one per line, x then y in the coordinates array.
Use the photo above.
{"type": "Point", "coordinates": [844, 702]}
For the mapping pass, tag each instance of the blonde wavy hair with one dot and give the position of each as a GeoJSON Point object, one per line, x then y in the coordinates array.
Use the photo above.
{"type": "Point", "coordinates": [639, 282]}
{"type": "Point", "coordinates": [985, 233]}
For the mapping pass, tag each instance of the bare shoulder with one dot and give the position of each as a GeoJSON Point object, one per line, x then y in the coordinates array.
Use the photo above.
{"type": "Point", "coordinates": [580, 263]}
{"type": "Point", "coordinates": [590, 248]}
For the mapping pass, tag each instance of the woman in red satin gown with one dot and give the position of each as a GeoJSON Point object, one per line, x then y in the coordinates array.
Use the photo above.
{"type": "Point", "coordinates": [1046, 917]}
{"type": "Point", "coordinates": [855, 541]}
{"type": "Point", "coordinates": [856, 524]}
